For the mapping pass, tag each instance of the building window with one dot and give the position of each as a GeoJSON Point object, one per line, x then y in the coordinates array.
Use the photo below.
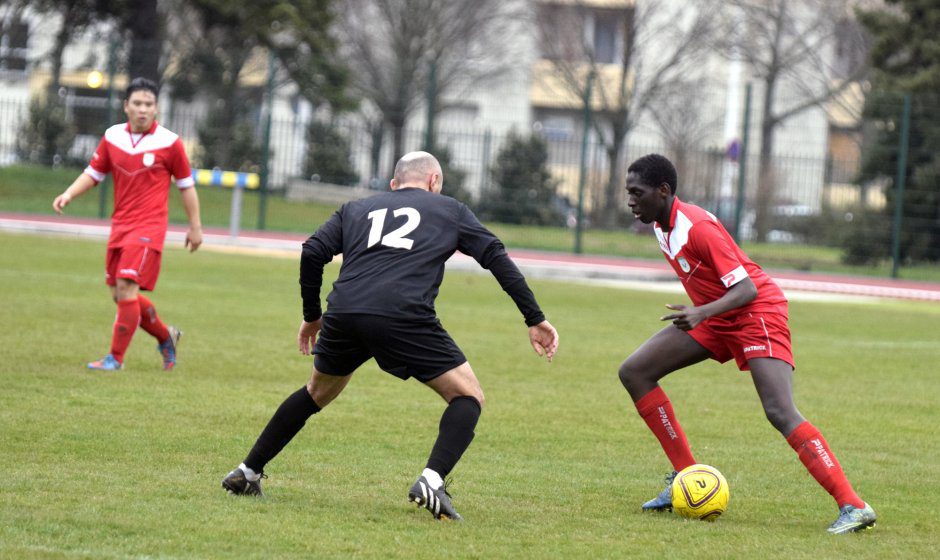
{"type": "Point", "coordinates": [14, 34]}
{"type": "Point", "coordinates": [561, 32]}
{"type": "Point", "coordinates": [605, 37]}
{"type": "Point", "coordinates": [582, 34]}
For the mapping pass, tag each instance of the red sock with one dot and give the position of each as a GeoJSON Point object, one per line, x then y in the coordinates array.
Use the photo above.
{"type": "Point", "coordinates": [821, 462]}
{"type": "Point", "coordinates": [657, 412]}
{"type": "Point", "coordinates": [128, 315]}
{"type": "Point", "coordinates": [149, 321]}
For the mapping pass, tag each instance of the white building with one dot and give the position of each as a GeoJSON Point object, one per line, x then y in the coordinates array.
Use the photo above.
{"type": "Point", "coordinates": [476, 116]}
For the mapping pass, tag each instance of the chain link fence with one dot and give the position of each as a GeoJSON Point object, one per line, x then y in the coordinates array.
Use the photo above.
{"type": "Point", "coordinates": [835, 199]}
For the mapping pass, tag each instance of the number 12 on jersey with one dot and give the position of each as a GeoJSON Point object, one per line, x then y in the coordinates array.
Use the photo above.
{"type": "Point", "coordinates": [395, 238]}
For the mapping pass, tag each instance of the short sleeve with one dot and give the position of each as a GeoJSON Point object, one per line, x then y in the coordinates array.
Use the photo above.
{"type": "Point", "coordinates": [180, 166]}
{"type": "Point", "coordinates": [708, 241]}
{"type": "Point", "coordinates": [100, 164]}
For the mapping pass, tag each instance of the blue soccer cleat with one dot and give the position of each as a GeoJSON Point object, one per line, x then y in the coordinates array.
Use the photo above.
{"type": "Point", "coordinates": [108, 363]}
{"type": "Point", "coordinates": [663, 500]}
{"type": "Point", "coordinates": [852, 519]}
{"type": "Point", "coordinates": [167, 348]}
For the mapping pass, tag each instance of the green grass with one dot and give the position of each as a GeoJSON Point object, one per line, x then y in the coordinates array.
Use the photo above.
{"type": "Point", "coordinates": [31, 189]}
{"type": "Point", "coordinates": [128, 464]}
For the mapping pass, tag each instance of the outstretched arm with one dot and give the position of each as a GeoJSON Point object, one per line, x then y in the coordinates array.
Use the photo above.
{"type": "Point", "coordinates": [82, 184]}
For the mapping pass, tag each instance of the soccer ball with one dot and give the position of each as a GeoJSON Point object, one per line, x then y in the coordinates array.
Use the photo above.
{"type": "Point", "coordinates": [700, 492]}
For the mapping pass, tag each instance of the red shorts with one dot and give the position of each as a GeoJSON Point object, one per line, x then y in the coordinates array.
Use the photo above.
{"type": "Point", "coordinates": [138, 263]}
{"type": "Point", "coordinates": [745, 336]}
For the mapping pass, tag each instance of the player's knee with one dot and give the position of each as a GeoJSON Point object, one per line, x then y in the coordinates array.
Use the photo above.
{"type": "Point", "coordinates": [781, 417]}
{"type": "Point", "coordinates": [468, 399]}
{"type": "Point", "coordinates": [318, 395]}
{"type": "Point", "coordinates": [628, 374]}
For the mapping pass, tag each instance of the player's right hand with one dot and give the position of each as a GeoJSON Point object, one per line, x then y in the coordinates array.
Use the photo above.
{"type": "Point", "coordinates": [307, 335]}
{"type": "Point", "coordinates": [61, 202]}
{"type": "Point", "coordinates": [544, 339]}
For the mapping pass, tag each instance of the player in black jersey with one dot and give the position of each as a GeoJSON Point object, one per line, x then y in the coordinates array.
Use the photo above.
{"type": "Point", "coordinates": [394, 247]}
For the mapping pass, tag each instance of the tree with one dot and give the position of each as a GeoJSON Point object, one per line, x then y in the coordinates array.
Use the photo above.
{"type": "Point", "coordinates": [790, 45]}
{"type": "Point", "coordinates": [684, 128]}
{"type": "Point", "coordinates": [328, 155]}
{"type": "Point", "coordinates": [661, 47]}
{"type": "Point", "coordinates": [76, 16]}
{"type": "Point", "coordinates": [142, 25]}
{"type": "Point", "coordinates": [395, 46]}
{"type": "Point", "coordinates": [212, 62]}
{"type": "Point", "coordinates": [905, 57]}
{"type": "Point", "coordinates": [524, 190]}
{"type": "Point", "coordinates": [47, 135]}
{"type": "Point", "coordinates": [454, 177]}
{"type": "Point", "coordinates": [299, 33]}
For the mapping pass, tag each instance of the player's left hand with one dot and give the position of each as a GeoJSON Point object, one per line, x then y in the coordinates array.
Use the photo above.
{"type": "Point", "coordinates": [544, 339]}
{"type": "Point", "coordinates": [193, 239]}
{"type": "Point", "coordinates": [307, 335]}
{"type": "Point", "coordinates": [686, 318]}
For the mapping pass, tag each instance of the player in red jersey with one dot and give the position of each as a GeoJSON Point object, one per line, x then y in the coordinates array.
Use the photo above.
{"type": "Point", "coordinates": [141, 156]}
{"type": "Point", "coordinates": [737, 312]}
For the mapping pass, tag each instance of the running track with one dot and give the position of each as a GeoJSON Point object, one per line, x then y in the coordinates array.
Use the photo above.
{"type": "Point", "coordinates": [627, 272]}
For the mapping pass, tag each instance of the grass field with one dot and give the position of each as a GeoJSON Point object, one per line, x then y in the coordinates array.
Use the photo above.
{"type": "Point", "coordinates": [31, 189]}
{"type": "Point", "coordinates": [127, 464]}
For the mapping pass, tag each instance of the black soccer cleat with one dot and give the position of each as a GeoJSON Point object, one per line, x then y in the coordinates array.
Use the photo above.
{"type": "Point", "coordinates": [435, 501]}
{"type": "Point", "coordinates": [237, 483]}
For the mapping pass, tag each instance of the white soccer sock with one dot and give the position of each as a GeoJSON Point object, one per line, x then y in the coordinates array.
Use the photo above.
{"type": "Point", "coordinates": [434, 480]}
{"type": "Point", "coordinates": [249, 474]}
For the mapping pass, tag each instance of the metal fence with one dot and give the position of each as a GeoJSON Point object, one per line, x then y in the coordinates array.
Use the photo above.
{"type": "Point", "coordinates": [832, 196]}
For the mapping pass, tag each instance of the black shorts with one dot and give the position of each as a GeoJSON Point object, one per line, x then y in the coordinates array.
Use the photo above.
{"type": "Point", "coordinates": [403, 347]}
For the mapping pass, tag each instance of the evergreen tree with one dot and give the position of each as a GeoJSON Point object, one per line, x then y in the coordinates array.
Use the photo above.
{"type": "Point", "coordinates": [524, 190]}
{"type": "Point", "coordinates": [46, 135]}
{"type": "Point", "coordinates": [906, 59]}
{"type": "Point", "coordinates": [454, 177]}
{"type": "Point", "coordinates": [328, 155]}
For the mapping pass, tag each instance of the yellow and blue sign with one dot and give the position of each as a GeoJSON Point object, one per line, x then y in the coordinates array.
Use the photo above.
{"type": "Point", "coordinates": [219, 178]}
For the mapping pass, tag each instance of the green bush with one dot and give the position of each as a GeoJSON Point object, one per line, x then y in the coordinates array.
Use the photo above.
{"type": "Point", "coordinates": [867, 239]}
{"type": "Point", "coordinates": [328, 155]}
{"type": "Point", "coordinates": [47, 135]}
{"type": "Point", "coordinates": [454, 177]}
{"type": "Point", "coordinates": [227, 145]}
{"type": "Point", "coordinates": [524, 189]}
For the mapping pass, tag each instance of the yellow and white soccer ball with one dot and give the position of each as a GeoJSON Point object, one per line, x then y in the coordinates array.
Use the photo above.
{"type": "Point", "coordinates": [700, 492]}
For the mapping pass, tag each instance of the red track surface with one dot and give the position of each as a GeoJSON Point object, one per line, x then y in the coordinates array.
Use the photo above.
{"type": "Point", "coordinates": [568, 264]}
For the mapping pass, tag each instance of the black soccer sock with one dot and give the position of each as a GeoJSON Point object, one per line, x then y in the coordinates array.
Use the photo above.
{"type": "Point", "coordinates": [456, 432]}
{"type": "Point", "coordinates": [283, 426]}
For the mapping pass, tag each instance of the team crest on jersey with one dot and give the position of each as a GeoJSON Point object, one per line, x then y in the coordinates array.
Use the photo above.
{"type": "Point", "coordinates": [148, 159]}
{"type": "Point", "coordinates": [683, 264]}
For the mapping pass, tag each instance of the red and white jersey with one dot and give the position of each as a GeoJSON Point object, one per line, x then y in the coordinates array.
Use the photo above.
{"type": "Point", "coordinates": [141, 166]}
{"type": "Point", "coordinates": [708, 261]}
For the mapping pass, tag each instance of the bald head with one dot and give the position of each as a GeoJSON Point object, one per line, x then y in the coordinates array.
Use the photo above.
{"type": "Point", "coordinates": [420, 170]}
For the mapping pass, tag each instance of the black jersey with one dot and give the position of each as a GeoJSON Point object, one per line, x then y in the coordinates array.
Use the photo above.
{"type": "Point", "coordinates": [394, 247]}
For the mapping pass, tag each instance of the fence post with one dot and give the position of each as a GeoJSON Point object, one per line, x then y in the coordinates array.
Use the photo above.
{"type": "Point", "coordinates": [899, 186]}
{"type": "Point", "coordinates": [582, 175]}
{"type": "Point", "coordinates": [742, 164]}
{"type": "Point", "coordinates": [429, 140]}
{"type": "Point", "coordinates": [266, 143]}
{"type": "Point", "coordinates": [112, 70]}
{"type": "Point", "coordinates": [485, 162]}
{"type": "Point", "coordinates": [235, 215]}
